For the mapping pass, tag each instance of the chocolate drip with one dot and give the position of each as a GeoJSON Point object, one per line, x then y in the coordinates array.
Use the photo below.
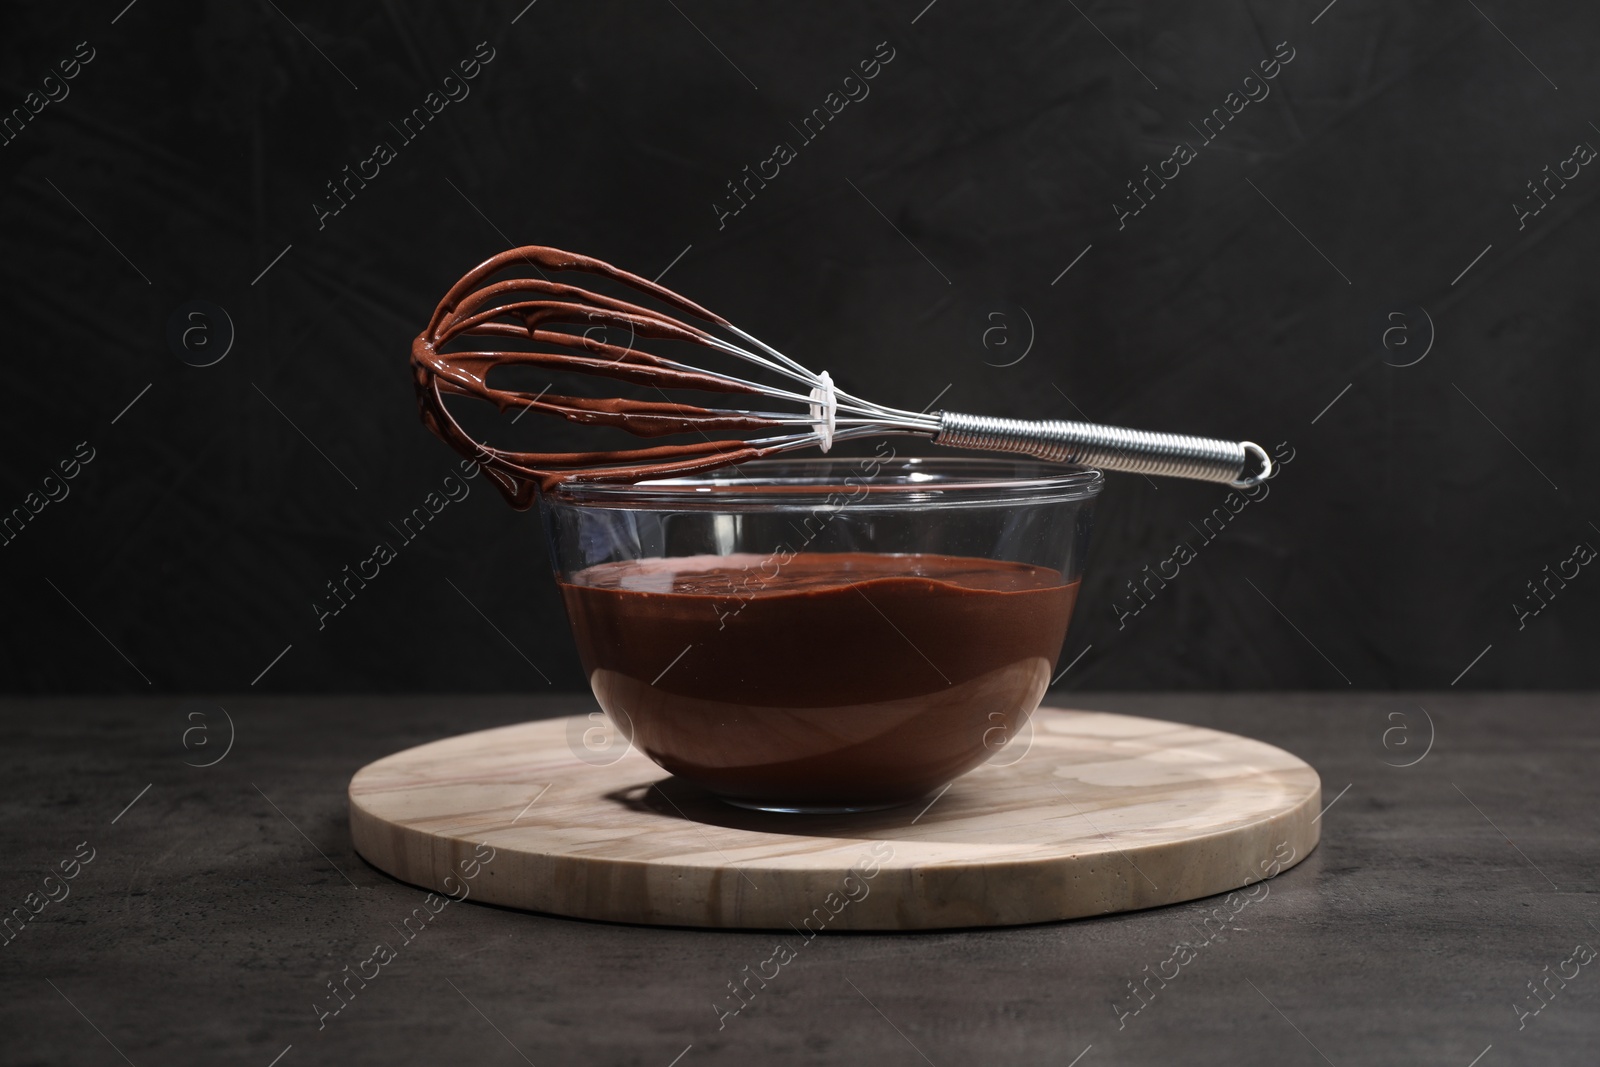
{"type": "Point", "coordinates": [473, 309]}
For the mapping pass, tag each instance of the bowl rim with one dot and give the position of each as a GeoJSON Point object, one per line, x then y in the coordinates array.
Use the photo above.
{"type": "Point", "coordinates": [872, 482]}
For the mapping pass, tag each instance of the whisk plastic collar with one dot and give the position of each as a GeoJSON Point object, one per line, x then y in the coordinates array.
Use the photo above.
{"type": "Point", "coordinates": [824, 410]}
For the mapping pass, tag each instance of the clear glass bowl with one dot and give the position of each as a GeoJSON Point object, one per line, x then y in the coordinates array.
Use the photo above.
{"type": "Point", "coordinates": [823, 635]}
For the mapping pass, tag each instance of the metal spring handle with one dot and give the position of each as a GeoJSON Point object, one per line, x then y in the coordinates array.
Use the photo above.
{"type": "Point", "coordinates": [1113, 448]}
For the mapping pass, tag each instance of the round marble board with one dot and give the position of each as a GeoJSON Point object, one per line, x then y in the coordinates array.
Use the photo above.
{"type": "Point", "coordinates": [1100, 813]}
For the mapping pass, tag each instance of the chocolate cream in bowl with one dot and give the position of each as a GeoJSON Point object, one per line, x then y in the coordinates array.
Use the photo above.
{"type": "Point", "coordinates": [833, 680]}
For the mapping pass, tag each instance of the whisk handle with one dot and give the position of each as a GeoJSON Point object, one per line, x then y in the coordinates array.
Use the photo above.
{"type": "Point", "coordinates": [1109, 447]}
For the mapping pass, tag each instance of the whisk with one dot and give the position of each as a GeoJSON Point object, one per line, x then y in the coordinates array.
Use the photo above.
{"type": "Point", "coordinates": [535, 309]}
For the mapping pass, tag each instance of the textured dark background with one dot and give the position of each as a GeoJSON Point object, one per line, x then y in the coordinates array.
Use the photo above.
{"type": "Point", "coordinates": [1250, 295]}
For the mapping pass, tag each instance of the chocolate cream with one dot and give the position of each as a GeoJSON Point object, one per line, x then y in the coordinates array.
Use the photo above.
{"type": "Point", "coordinates": [562, 318]}
{"type": "Point", "coordinates": [848, 680]}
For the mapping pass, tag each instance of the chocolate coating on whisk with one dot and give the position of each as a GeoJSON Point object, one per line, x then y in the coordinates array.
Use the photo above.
{"type": "Point", "coordinates": [477, 310]}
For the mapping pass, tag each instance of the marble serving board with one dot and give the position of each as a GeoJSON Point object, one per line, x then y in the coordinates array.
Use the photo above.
{"type": "Point", "coordinates": [1087, 813]}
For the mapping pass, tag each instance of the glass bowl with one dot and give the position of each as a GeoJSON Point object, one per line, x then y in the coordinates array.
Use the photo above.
{"type": "Point", "coordinates": [823, 635]}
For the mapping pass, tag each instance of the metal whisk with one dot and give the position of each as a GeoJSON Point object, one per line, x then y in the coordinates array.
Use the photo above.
{"type": "Point", "coordinates": [563, 319]}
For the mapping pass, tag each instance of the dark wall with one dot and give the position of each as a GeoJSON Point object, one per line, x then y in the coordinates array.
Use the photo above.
{"type": "Point", "coordinates": [1342, 269]}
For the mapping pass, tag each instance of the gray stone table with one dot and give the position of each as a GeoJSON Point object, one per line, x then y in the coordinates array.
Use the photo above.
{"type": "Point", "coordinates": [1458, 865]}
